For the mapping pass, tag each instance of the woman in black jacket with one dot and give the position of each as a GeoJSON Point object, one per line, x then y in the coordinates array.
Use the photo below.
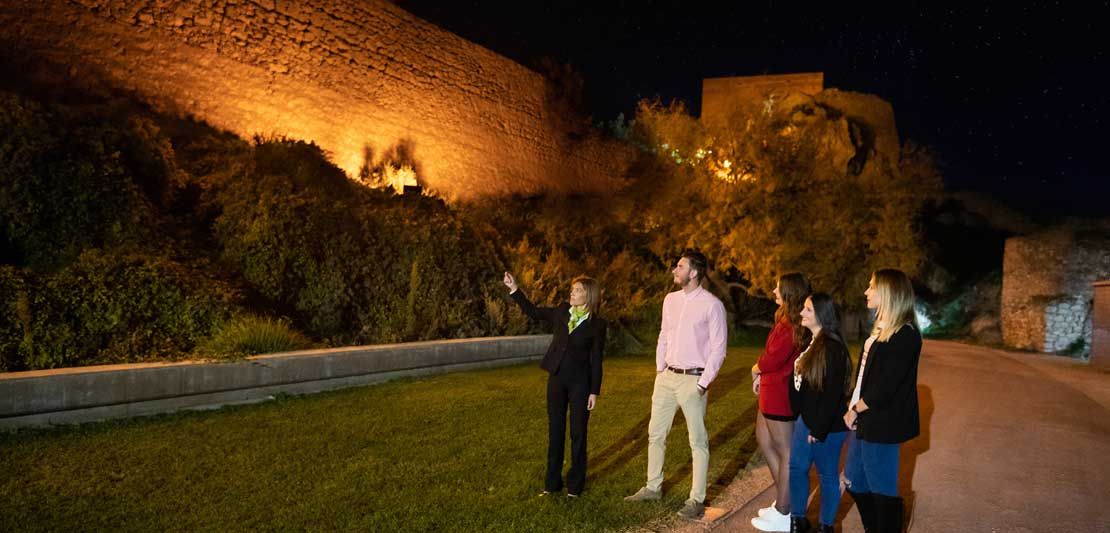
{"type": "Point", "coordinates": [818, 391]}
{"type": "Point", "coordinates": [883, 410]}
{"type": "Point", "coordinates": [573, 361]}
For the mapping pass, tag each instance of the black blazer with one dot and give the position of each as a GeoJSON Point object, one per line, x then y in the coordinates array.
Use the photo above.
{"type": "Point", "coordinates": [823, 411]}
{"type": "Point", "coordinates": [890, 389]}
{"type": "Point", "coordinates": [578, 352]}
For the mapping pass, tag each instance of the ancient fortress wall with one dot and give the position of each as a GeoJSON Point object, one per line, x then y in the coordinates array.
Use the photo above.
{"type": "Point", "coordinates": [346, 74]}
{"type": "Point", "coordinates": [720, 96]}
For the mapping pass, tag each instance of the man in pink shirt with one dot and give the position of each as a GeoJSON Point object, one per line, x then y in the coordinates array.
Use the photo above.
{"type": "Point", "coordinates": [689, 354]}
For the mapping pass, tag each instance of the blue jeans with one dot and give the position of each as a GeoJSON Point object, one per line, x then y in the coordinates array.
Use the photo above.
{"type": "Point", "coordinates": [826, 455]}
{"type": "Point", "coordinates": [872, 467]}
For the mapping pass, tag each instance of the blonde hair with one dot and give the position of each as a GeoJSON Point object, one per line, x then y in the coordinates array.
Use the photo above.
{"type": "Point", "coordinates": [593, 293]}
{"type": "Point", "coordinates": [896, 299]}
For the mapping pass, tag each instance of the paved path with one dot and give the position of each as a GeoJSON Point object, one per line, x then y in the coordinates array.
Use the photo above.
{"type": "Point", "coordinates": [1011, 442]}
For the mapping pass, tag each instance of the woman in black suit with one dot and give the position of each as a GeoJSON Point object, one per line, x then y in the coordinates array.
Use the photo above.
{"type": "Point", "coordinates": [573, 361]}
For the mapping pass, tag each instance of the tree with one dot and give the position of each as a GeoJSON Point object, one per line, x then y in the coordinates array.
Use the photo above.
{"type": "Point", "coordinates": [793, 188]}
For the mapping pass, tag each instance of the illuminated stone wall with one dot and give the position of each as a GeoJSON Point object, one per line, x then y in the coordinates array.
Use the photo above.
{"type": "Point", "coordinates": [720, 96]}
{"type": "Point", "coordinates": [1047, 288]}
{"type": "Point", "coordinates": [345, 74]}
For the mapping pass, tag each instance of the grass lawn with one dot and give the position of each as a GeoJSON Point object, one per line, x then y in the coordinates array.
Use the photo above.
{"type": "Point", "coordinates": [460, 451]}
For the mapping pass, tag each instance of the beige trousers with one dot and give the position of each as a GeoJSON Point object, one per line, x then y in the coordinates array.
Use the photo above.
{"type": "Point", "coordinates": [678, 391]}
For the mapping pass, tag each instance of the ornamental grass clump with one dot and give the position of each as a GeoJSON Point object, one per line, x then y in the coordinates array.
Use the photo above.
{"type": "Point", "coordinates": [251, 335]}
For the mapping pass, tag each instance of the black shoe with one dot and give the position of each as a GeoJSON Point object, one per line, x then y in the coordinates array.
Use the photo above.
{"type": "Point", "coordinates": [865, 503]}
{"type": "Point", "coordinates": [889, 511]}
{"type": "Point", "coordinates": [799, 524]}
{"type": "Point", "coordinates": [823, 528]}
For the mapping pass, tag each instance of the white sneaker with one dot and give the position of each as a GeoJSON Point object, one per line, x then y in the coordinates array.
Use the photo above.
{"type": "Point", "coordinates": [772, 521]}
{"type": "Point", "coordinates": [765, 510]}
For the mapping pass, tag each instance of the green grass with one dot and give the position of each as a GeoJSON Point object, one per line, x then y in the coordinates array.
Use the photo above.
{"type": "Point", "coordinates": [460, 451]}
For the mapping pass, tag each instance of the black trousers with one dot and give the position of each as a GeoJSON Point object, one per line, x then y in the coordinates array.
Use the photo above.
{"type": "Point", "coordinates": [567, 389]}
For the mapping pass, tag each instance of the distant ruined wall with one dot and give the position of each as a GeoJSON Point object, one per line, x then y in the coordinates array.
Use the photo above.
{"type": "Point", "coordinates": [858, 133]}
{"type": "Point", "coordinates": [720, 96]}
{"type": "Point", "coordinates": [345, 74]}
{"type": "Point", "coordinates": [1047, 289]}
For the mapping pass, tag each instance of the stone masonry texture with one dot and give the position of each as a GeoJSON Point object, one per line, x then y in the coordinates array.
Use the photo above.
{"type": "Point", "coordinates": [1048, 291]}
{"type": "Point", "coordinates": [349, 75]}
{"type": "Point", "coordinates": [720, 96]}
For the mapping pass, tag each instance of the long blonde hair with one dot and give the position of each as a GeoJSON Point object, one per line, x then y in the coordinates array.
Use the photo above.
{"type": "Point", "coordinates": [896, 301]}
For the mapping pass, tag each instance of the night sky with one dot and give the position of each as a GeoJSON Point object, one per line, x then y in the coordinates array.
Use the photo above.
{"type": "Point", "coordinates": [1011, 95]}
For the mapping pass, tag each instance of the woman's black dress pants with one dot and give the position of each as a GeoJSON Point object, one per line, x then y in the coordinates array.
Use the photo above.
{"type": "Point", "coordinates": [567, 387]}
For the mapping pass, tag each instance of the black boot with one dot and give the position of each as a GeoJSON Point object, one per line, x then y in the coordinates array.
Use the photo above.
{"type": "Point", "coordinates": [822, 528]}
{"type": "Point", "coordinates": [868, 514]}
{"type": "Point", "coordinates": [799, 524]}
{"type": "Point", "coordinates": [889, 510]}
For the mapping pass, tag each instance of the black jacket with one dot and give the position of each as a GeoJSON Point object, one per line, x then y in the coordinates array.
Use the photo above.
{"type": "Point", "coordinates": [890, 389]}
{"type": "Point", "coordinates": [579, 352]}
{"type": "Point", "coordinates": [823, 411]}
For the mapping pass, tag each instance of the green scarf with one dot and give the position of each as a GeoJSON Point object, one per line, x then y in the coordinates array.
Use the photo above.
{"type": "Point", "coordinates": [576, 318]}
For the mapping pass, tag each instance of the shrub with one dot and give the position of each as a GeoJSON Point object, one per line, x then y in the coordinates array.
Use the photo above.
{"type": "Point", "coordinates": [547, 241]}
{"type": "Point", "coordinates": [353, 265]}
{"type": "Point", "coordinates": [250, 335]}
{"type": "Point", "coordinates": [118, 307]}
{"type": "Point", "coordinates": [67, 180]}
{"type": "Point", "coordinates": [13, 313]}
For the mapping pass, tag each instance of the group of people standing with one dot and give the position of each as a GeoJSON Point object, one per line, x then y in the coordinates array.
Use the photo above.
{"type": "Point", "coordinates": [809, 406]}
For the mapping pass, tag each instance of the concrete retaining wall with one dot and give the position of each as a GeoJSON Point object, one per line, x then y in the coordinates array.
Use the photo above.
{"type": "Point", "coordinates": [76, 395]}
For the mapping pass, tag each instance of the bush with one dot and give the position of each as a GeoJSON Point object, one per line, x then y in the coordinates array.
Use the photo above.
{"type": "Point", "coordinates": [114, 308]}
{"type": "Point", "coordinates": [548, 241]}
{"type": "Point", "coordinates": [13, 313]}
{"type": "Point", "coordinates": [67, 180]}
{"type": "Point", "coordinates": [251, 335]}
{"type": "Point", "coordinates": [353, 265]}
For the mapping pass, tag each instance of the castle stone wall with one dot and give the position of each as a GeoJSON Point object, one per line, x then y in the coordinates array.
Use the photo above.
{"type": "Point", "coordinates": [346, 74]}
{"type": "Point", "coordinates": [721, 96]}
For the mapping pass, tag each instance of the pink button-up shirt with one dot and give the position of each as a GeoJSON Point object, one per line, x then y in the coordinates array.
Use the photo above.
{"type": "Point", "coordinates": [694, 333]}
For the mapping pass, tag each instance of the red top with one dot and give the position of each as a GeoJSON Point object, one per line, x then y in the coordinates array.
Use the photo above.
{"type": "Point", "coordinates": [776, 367]}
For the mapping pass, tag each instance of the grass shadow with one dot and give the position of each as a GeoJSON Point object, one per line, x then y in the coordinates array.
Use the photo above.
{"type": "Point", "coordinates": [634, 441]}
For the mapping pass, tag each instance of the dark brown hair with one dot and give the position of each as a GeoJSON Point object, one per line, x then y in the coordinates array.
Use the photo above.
{"type": "Point", "coordinates": [793, 288]}
{"type": "Point", "coordinates": [814, 365]}
{"type": "Point", "coordinates": [698, 262]}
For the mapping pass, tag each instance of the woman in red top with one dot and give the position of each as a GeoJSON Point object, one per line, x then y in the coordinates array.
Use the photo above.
{"type": "Point", "coordinates": [771, 375]}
